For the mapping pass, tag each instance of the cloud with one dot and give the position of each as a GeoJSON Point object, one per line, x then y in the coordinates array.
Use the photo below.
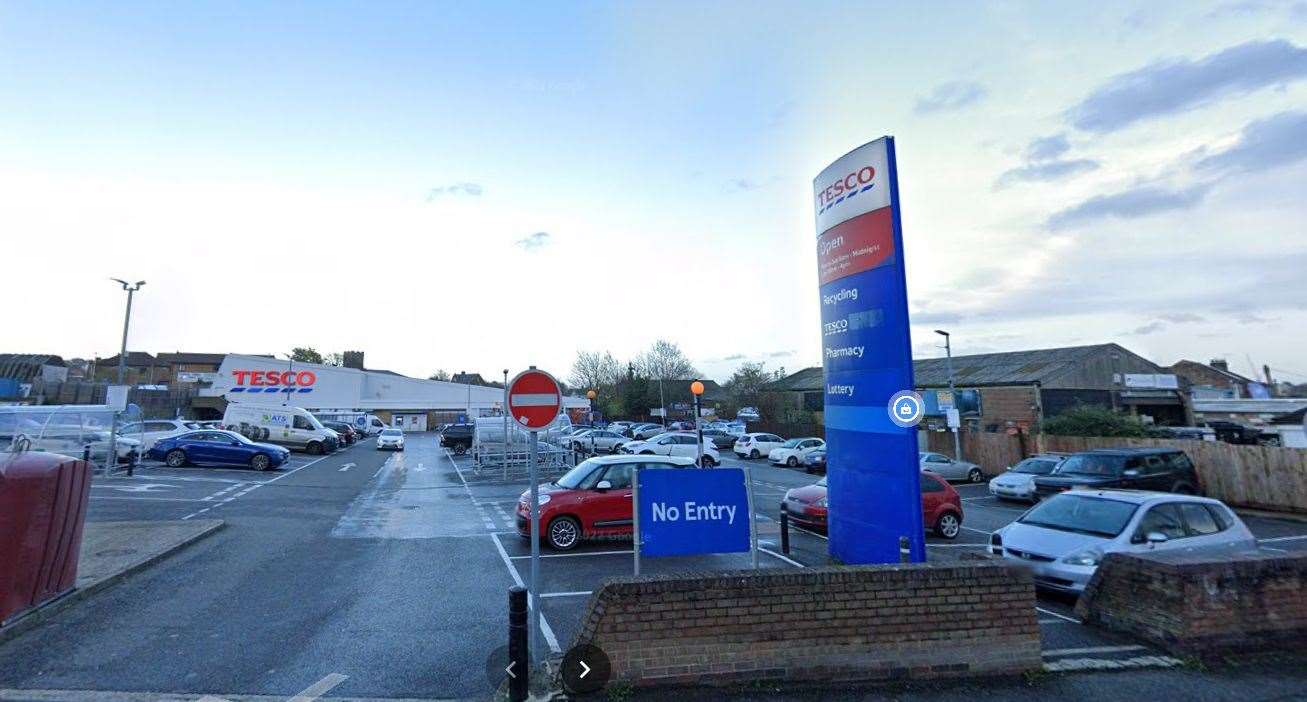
{"type": "Point", "coordinates": [1167, 87]}
{"type": "Point", "coordinates": [780, 354]}
{"type": "Point", "coordinates": [935, 317]}
{"type": "Point", "coordinates": [469, 189]}
{"type": "Point", "coordinates": [950, 96]}
{"type": "Point", "coordinates": [533, 242]}
{"type": "Point", "coordinates": [1149, 328]}
{"type": "Point", "coordinates": [745, 184]}
{"type": "Point", "coordinates": [1045, 171]}
{"type": "Point", "coordinates": [1182, 317]}
{"type": "Point", "coordinates": [735, 357]}
{"type": "Point", "coordinates": [1129, 204]}
{"type": "Point", "coordinates": [1047, 148]}
{"type": "Point", "coordinates": [1277, 140]}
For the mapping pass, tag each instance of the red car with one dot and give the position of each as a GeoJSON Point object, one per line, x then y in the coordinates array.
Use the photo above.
{"type": "Point", "coordinates": [941, 506]}
{"type": "Point", "coordinates": [592, 501]}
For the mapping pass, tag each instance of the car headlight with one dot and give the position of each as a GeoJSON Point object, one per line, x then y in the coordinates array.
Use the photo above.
{"type": "Point", "coordinates": [542, 499]}
{"type": "Point", "coordinates": [1088, 557]}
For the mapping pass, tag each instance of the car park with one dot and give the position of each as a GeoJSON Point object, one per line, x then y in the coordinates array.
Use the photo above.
{"type": "Point", "coordinates": [647, 431]}
{"type": "Point", "coordinates": [595, 440]}
{"type": "Point", "coordinates": [1159, 469]}
{"type": "Point", "coordinates": [216, 447]}
{"type": "Point", "coordinates": [292, 427]}
{"type": "Point", "coordinates": [756, 444]}
{"type": "Point", "coordinates": [457, 437]}
{"type": "Point", "coordinates": [793, 452]}
{"type": "Point", "coordinates": [591, 501]}
{"type": "Point", "coordinates": [720, 438]}
{"type": "Point", "coordinates": [151, 430]}
{"type": "Point", "coordinates": [941, 506]}
{"type": "Point", "coordinates": [674, 444]}
{"type": "Point", "coordinates": [1018, 483]}
{"type": "Point", "coordinates": [390, 439]}
{"type": "Point", "coordinates": [1064, 538]}
{"type": "Point", "coordinates": [950, 468]}
{"type": "Point", "coordinates": [815, 461]}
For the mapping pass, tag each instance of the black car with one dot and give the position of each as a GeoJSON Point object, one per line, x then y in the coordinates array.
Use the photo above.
{"type": "Point", "coordinates": [347, 433]}
{"type": "Point", "coordinates": [457, 437]}
{"type": "Point", "coordinates": [1159, 469]}
{"type": "Point", "coordinates": [720, 438]}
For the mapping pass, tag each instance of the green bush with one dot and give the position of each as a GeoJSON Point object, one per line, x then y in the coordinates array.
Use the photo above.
{"type": "Point", "coordinates": [1089, 420]}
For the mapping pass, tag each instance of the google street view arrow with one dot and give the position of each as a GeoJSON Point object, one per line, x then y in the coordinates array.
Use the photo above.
{"type": "Point", "coordinates": [585, 670]}
{"type": "Point", "coordinates": [509, 670]}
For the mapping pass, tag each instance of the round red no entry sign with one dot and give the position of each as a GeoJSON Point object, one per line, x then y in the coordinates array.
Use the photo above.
{"type": "Point", "coordinates": [534, 399]}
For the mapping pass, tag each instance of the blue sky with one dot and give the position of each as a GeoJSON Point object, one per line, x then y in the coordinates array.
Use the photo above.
{"type": "Point", "coordinates": [463, 179]}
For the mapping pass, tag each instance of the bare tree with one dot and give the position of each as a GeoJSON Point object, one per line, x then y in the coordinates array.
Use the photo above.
{"type": "Point", "coordinates": [594, 369]}
{"type": "Point", "coordinates": [440, 374]}
{"type": "Point", "coordinates": [664, 360]}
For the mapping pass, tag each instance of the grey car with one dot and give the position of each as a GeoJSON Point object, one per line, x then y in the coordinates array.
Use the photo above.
{"type": "Point", "coordinates": [949, 468]}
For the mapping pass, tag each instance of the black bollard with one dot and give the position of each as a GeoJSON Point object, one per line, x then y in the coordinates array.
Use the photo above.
{"type": "Point", "coordinates": [519, 655]}
{"type": "Point", "coordinates": [785, 529]}
{"type": "Point", "coordinates": [905, 550]}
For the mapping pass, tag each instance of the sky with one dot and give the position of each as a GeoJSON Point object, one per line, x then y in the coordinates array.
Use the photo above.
{"type": "Point", "coordinates": [482, 186]}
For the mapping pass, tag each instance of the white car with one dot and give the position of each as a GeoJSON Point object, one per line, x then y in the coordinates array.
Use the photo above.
{"type": "Point", "coordinates": [756, 444]}
{"type": "Point", "coordinates": [151, 430]}
{"type": "Point", "coordinates": [1064, 538]}
{"type": "Point", "coordinates": [390, 439]}
{"type": "Point", "coordinates": [949, 468]}
{"type": "Point", "coordinates": [793, 452]}
{"type": "Point", "coordinates": [647, 431]}
{"type": "Point", "coordinates": [674, 444]}
{"type": "Point", "coordinates": [1018, 483]}
{"type": "Point", "coordinates": [596, 440]}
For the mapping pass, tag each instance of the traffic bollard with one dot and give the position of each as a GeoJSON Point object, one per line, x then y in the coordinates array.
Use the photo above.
{"type": "Point", "coordinates": [519, 655]}
{"type": "Point", "coordinates": [785, 529]}
{"type": "Point", "coordinates": [905, 550]}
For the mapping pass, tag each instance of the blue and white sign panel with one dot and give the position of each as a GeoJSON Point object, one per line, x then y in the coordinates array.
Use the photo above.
{"type": "Point", "coordinates": [872, 471]}
{"type": "Point", "coordinates": [685, 511]}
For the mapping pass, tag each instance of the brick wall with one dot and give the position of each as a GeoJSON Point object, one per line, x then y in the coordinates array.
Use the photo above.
{"type": "Point", "coordinates": [853, 623]}
{"type": "Point", "coordinates": [998, 406]}
{"type": "Point", "coordinates": [1197, 604]}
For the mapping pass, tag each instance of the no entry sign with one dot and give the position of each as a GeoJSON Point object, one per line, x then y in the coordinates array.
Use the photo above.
{"type": "Point", "coordinates": [534, 399]}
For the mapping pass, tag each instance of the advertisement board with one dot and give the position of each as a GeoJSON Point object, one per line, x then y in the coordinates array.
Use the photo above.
{"type": "Point", "coordinates": [872, 470]}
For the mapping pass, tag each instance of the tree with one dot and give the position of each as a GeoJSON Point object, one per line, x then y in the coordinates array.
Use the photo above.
{"type": "Point", "coordinates": [593, 370]}
{"type": "Point", "coordinates": [335, 359]}
{"type": "Point", "coordinates": [440, 374]}
{"type": "Point", "coordinates": [664, 360]}
{"type": "Point", "coordinates": [305, 354]}
{"type": "Point", "coordinates": [1092, 420]}
{"type": "Point", "coordinates": [743, 385]}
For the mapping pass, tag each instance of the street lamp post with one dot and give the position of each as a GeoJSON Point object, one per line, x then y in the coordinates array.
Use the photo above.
{"type": "Point", "coordinates": [662, 402]}
{"type": "Point", "coordinates": [127, 320]}
{"type": "Point", "coordinates": [591, 395]}
{"type": "Point", "coordinates": [696, 389]}
{"type": "Point", "coordinates": [505, 424]}
{"type": "Point", "coordinates": [290, 368]}
{"type": "Point", "coordinates": [948, 355]}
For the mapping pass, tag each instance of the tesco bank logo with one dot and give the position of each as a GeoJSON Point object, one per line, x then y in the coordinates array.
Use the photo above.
{"type": "Point", "coordinates": [852, 184]}
{"type": "Point", "coordinates": [273, 381]}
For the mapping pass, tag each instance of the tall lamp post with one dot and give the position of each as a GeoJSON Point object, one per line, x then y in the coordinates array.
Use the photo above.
{"type": "Point", "coordinates": [505, 424]}
{"type": "Point", "coordinates": [696, 389]}
{"type": "Point", "coordinates": [948, 355]}
{"type": "Point", "coordinates": [290, 368]}
{"type": "Point", "coordinates": [127, 320]}
{"type": "Point", "coordinates": [591, 395]}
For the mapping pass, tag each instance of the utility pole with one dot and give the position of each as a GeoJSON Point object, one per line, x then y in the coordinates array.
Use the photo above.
{"type": "Point", "coordinates": [127, 321]}
{"type": "Point", "coordinates": [952, 391]}
{"type": "Point", "coordinates": [505, 424]}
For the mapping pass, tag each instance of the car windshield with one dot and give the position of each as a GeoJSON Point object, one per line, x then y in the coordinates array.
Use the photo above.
{"type": "Point", "coordinates": [1092, 464]}
{"type": "Point", "coordinates": [1035, 466]}
{"type": "Point", "coordinates": [792, 443]}
{"type": "Point", "coordinates": [1084, 515]}
{"type": "Point", "coordinates": [391, 433]}
{"type": "Point", "coordinates": [577, 477]}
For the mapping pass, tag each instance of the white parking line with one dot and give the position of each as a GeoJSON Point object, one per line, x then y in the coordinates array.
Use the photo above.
{"type": "Point", "coordinates": [787, 559]}
{"type": "Point", "coordinates": [545, 629]}
{"type": "Point", "coordinates": [571, 555]}
{"type": "Point", "coordinates": [578, 593]}
{"type": "Point", "coordinates": [1092, 649]}
{"type": "Point", "coordinates": [256, 486]}
{"type": "Point", "coordinates": [1063, 617]}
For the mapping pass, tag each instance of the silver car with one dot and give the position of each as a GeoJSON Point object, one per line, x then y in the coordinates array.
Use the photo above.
{"type": "Point", "coordinates": [950, 469]}
{"type": "Point", "coordinates": [1064, 538]}
{"type": "Point", "coordinates": [1018, 483]}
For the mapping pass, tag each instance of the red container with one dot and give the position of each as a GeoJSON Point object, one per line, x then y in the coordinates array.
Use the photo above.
{"type": "Point", "coordinates": [43, 498]}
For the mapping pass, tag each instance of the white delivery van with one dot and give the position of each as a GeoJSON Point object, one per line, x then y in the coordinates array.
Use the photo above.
{"type": "Point", "coordinates": [292, 427]}
{"type": "Point", "coordinates": [369, 424]}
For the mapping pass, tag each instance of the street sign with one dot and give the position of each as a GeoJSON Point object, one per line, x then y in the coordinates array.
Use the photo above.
{"type": "Point", "coordinates": [685, 511]}
{"type": "Point", "coordinates": [944, 399]}
{"type": "Point", "coordinates": [534, 399]}
{"type": "Point", "coordinates": [954, 419]}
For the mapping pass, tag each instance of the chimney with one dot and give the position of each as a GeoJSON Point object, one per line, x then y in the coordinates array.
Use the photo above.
{"type": "Point", "coordinates": [1220, 364]}
{"type": "Point", "coordinates": [353, 359]}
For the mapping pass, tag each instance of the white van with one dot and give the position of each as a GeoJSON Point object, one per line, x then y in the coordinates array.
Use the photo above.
{"type": "Point", "coordinates": [293, 427]}
{"type": "Point", "coordinates": [369, 424]}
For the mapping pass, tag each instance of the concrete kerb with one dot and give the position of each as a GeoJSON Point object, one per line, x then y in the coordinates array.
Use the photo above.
{"type": "Point", "coordinates": [32, 618]}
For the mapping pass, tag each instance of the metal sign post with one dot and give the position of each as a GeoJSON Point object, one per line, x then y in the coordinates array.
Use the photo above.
{"type": "Point", "coordinates": [635, 516]}
{"type": "Point", "coordinates": [753, 520]}
{"type": "Point", "coordinates": [535, 545]}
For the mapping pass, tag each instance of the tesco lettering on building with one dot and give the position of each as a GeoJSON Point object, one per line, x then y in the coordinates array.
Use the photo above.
{"type": "Point", "coordinates": [251, 381]}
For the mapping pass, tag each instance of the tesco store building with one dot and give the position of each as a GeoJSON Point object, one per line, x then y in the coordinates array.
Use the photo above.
{"type": "Point", "coordinates": [410, 403]}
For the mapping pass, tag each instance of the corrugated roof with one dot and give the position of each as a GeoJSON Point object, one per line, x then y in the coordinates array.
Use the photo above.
{"type": "Point", "coordinates": [26, 366]}
{"type": "Point", "coordinates": [135, 359]}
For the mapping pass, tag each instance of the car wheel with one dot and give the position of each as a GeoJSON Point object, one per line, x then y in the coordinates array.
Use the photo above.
{"type": "Point", "coordinates": [564, 533]}
{"type": "Point", "coordinates": [975, 476]}
{"type": "Point", "coordinates": [754, 454]}
{"type": "Point", "coordinates": [314, 448]}
{"type": "Point", "coordinates": [176, 458]}
{"type": "Point", "coordinates": [792, 462]}
{"type": "Point", "coordinates": [948, 525]}
{"type": "Point", "coordinates": [260, 462]}
{"type": "Point", "coordinates": [460, 449]}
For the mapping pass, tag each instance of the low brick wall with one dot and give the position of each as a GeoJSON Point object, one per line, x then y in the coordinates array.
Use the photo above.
{"type": "Point", "coordinates": [839, 623]}
{"type": "Point", "coordinates": [1202, 604]}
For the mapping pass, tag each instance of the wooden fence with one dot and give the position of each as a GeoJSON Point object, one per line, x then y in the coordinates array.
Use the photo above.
{"type": "Point", "coordinates": [1260, 477]}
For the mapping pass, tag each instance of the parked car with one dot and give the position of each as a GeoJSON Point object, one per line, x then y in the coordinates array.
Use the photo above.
{"type": "Point", "coordinates": [1018, 483]}
{"type": "Point", "coordinates": [674, 444]}
{"type": "Point", "coordinates": [390, 439]}
{"type": "Point", "coordinates": [647, 431]}
{"type": "Point", "coordinates": [681, 426]}
{"type": "Point", "coordinates": [792, 452]}
{"type": "Point", "coordinates": [151, 430]}
{"type": "Point", "coordinates": [815, 461]}
{"type": "Point", "coordinates": [216, 447]}
{"type": "Point", "coordinates": [950, 468]}
{"type": "Point", "coordinates": [756, 444]}
{"type": "Point", "coordinates": [593, 500]}
{"type": "Point", "coordinates": [458, 438]}
{"type": "Point", "coordinates": [748, 414]}
{"type": "Point", "coordinates": [720, 438]}
{"type": "Point", "coordinates": [596, 440]}
{"type": "Point", "coordinates": [1190, 433]}
{"type": "Point", "coordinates": [1064, 538]}
{"type": "Point", "coordinates": [1234, 432]}
{"type": "Point", "coordinates": [292, 427]}
{"type": "Point", "coordinates": [1160, 469]}
{"type": "Point", "coordinates": [941, 506]}
{"type": "Point", "coordinates": [348, 433]}
{"type": "Point", "coordinates": [620, 426]}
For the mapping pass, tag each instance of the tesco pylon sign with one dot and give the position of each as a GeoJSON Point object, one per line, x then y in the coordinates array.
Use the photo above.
{"type": "Point", "coordinates": [534, 399]}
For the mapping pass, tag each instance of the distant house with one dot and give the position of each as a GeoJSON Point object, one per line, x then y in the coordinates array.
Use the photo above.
{"type": "Point", "coordinates": [1213, 380]}
{"type": "Point", "coordinates": [141, 368]}
{"type": "Point", "coordinates": [191, 367]}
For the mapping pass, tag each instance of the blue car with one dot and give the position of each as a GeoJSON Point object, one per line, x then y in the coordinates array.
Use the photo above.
{"type": "Point", "coordinates": [211, 447]}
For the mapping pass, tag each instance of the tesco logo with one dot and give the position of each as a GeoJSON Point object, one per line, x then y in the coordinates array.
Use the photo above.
{"type": "Point", "coordinates": [273, 381]}
{"type": "Point", "coordinates": [859, 181]}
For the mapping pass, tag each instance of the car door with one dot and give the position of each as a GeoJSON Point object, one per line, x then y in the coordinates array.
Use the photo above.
{"type": "Point", "coordinates": [199, 446]}
{"type": "Point", "coordinates": [932, 496]}
{"type": "Point", "coordinates": [301, 430]}
{"type": "Point", "coordinates": [1164, 518]}
{"type": "Point", "coordinates": [610, 509]}
{"type": "Point", "coordinates": [940, 465]}
{"type": "Point", "coordinates": [227, 450]}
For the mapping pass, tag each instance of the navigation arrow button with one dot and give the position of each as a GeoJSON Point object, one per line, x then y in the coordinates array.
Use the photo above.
{"type": "Point", "coordinates": [509, 670]}
{"type": "Point", "coordinates": [585, 670]}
